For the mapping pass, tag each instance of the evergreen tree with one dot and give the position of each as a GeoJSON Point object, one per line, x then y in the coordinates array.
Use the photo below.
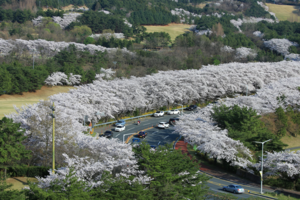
{"type": "Point", "coordinates": [11, 148]}
{"type": "Point", "coordinates": [174, 174]}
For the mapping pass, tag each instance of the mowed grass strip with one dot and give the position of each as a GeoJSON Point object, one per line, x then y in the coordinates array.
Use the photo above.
{"type": "Point", "coordinates": [284, 12]}
{"type": "Point", "coordinates": [7, 102]}
{"type": "Point", "coordinates": [18, 183]}
{"type": "Point", "coordinates": [173, 29]}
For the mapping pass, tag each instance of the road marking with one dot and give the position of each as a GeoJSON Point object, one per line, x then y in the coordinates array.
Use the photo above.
{"type": "Point", "coordinates": [155, 132]}
{"type": "Point", "coordinates": [129, 129]}
{"type": "Point", "coordinates": [117, 135]}
{"type": "Point", "coordinates": [166, 137]}
{"type": "Point", "coordinates": [158, 143]}
{"type": "Point", "coordinates": [147, 123]}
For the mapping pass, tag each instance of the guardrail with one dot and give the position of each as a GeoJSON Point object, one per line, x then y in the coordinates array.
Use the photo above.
{"type": "Point", "coordinates": [141, 116]}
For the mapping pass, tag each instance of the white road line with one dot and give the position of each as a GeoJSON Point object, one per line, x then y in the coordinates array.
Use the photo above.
{"type": "Point", "coordinates": [129, 129]}
{"type": "Point", "coordinates": [158, 143]}
{"type": "Point", "coordinates": [155, 132]}
{"type": "Point", "coordinates": [117, 135]}
{"type": "Point", "coordinates": [166, 137]}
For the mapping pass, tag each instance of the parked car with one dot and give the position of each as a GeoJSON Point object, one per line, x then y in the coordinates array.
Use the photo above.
{"type": "Point", "coordinates": [120, 122]}
{"type": "Point", "coordinates": [159, 114]}
{"type": "Point", "coordinates": [173, 112]}
{"type": "Point", "coordinates": [163, 125]}
{"type": "Point", "coordinates": [236, 189]}
{"type": "Point", "coordinates": [153, 147]}
{"type": "Point", "coordinates": [107, 134]}
{"type": "Point", "coordinates": [173, 121]}
{"type": "Point", "coordinates": [120, 128]}
{"type": "Point", "coordinates": [142, 134]}
{"type": "Point", "coordinates": [135, 142]}
{"type": "Point", "coordinates": [191, 107]}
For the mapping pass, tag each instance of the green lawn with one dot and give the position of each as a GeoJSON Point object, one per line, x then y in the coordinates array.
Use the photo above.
{"type": "Point", "coordinates": [173, 29]}
{"type": "Point", "coordinates": [284, 12]}
{"type": "Point", "coordinates": [20, 182]}
{"type": "Point", "coordinates": [8, 101]}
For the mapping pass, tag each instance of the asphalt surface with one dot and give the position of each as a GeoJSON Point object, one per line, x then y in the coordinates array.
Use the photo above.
{"type": "Point", "coordinates": [158, 136]}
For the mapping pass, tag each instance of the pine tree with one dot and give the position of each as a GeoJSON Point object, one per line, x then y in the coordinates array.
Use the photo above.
{"type": "Point", "coordinates": [11, 148]}
{"type": "Point", "coordinates": [174, 175]}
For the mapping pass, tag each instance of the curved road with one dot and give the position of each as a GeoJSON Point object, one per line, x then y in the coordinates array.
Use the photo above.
{"type": "Point", "coordinates": [162, 136]}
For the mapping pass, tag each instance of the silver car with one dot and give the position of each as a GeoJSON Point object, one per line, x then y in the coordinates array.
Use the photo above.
{"type": "Point", "coordinates": [236, 189]}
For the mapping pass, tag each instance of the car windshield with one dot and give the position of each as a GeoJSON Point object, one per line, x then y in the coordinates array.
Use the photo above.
{"type": "Point", "coordinates": [107, 132]}
{"type": "Point", "coordinates": [237, 186]}
{"type": "Point", "coordinates": [172, 110]}
{"type": "Point", "coordinates": [158, 112]}
{"type": "Point", "coordinates": [161, 123]}
{"type": "Point", "coordinates": [119, 126]}
{"type": "Point", "coordinates": [141, 133]}
{"type": "Point", "coordinates": [120, 121]}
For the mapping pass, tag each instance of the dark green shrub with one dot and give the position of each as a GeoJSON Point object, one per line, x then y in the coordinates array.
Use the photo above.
{"type": "Point", "coordinates": [31, 171]}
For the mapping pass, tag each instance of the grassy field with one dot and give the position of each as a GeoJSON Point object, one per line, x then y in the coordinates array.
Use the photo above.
{"type": "Point", "coordinates": [291, 141]}
{"type": "Point", "coordinates": [20, 182]}
{"type": "Point", "coordinates": [173, 29]}
{"type": "Point", "coordinates": [7, 101]}
{"type": "Point", "coordinates": [201, 5]}
{"type": "Point", "coordinates": [284, 12]}
{"type": "Point", "coordinates": [69, 7]}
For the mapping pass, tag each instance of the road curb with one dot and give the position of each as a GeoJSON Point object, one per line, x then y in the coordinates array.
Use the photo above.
{"type": "Point", "coordinates": [176, 142]}
{"type": "Point", "coordinates": [127, 140]}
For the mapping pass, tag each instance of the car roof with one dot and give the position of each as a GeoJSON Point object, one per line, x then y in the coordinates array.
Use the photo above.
{"type": "Point", "coordinates": [107, 132]}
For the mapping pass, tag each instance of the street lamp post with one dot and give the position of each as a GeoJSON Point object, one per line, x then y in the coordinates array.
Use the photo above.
{"type": "Point", "coordinates": [181, 108]}
{"type": "Point", "coordinates": [262, 163]}
{"type": "Point", "coordinates": [115, 63]}
{"type": "Point", "coordinates": [33, 51]}
{"type": "Point", "coordinates": [53, 137]}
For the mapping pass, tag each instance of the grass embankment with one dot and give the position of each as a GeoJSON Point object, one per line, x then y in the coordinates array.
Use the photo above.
{"type": "Point", "coordinates": [173, 29]}
{"type": "Point", "coordinates": [202, 5]}
{"type": "Point", "coordinates": [68, 7]}
{"type": "Point", "coordinates": [18, 183]}
{"type": "Point", "coordinates": [285, 12]}
{"type": "Point", "coordinates": [8, 101]}
{"type": "Point", "coordinates": [291, 139]}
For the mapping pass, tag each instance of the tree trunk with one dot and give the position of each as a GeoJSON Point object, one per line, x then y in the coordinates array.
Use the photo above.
{"type": "Point", "coordinates": [5, 173]}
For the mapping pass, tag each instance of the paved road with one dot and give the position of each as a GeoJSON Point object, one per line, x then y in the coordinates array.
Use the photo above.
{"type": "Point", "coordinates": [217, 184]}
{"type": "Point", "coordinates": [158, 136]}
{"type": "Point", "coordinates": [145, 123]}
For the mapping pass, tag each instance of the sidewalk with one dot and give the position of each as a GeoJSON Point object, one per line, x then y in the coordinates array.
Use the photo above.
{"type": "Point", "coordinates": [221, 174]}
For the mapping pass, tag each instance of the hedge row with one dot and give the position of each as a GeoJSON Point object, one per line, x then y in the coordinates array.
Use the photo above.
{"type": "Point", "coordinates": [32, 171]}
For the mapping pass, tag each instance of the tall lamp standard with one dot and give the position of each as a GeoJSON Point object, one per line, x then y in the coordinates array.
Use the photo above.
{"type": "Point", "coordinates": [181, 108]}
{"type": "Point", "coordinates": [262, 163]}
{"type": "Point", "coordinates": [53, 137]}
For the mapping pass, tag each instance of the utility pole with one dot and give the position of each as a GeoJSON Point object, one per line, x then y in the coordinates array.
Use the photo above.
{"type": "Point", "coordinates": [262, 164]}
{"type": "Point", "coordinates": [53, 138]}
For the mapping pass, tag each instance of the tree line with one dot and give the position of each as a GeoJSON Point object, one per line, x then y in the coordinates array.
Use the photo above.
{"type": "Point", "coordinates": [98, 21]}
{"type": "Point", "coordinates": [22, 16]}
{"type": "Point", "coordinates": [16, 78]}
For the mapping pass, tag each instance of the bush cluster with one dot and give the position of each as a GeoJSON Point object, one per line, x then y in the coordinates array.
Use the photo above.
{"type": "Point", "coordinates": [31, 171]}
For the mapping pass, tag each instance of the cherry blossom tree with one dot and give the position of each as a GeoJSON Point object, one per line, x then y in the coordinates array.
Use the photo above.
{"type": "Point", "coordinates": [285, 164]}
{"type": "Point", "coordinates": [60, 78]}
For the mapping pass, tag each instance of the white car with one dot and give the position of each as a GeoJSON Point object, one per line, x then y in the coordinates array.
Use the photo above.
{"type": "Point", "coordinates": [173, 112]}
{"type": "Point", "coordinates": [120, 128]}
{"type": "Point", "coordinates": [163, 125]}
{"type": "Point", "coordinates": [159, 114]}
